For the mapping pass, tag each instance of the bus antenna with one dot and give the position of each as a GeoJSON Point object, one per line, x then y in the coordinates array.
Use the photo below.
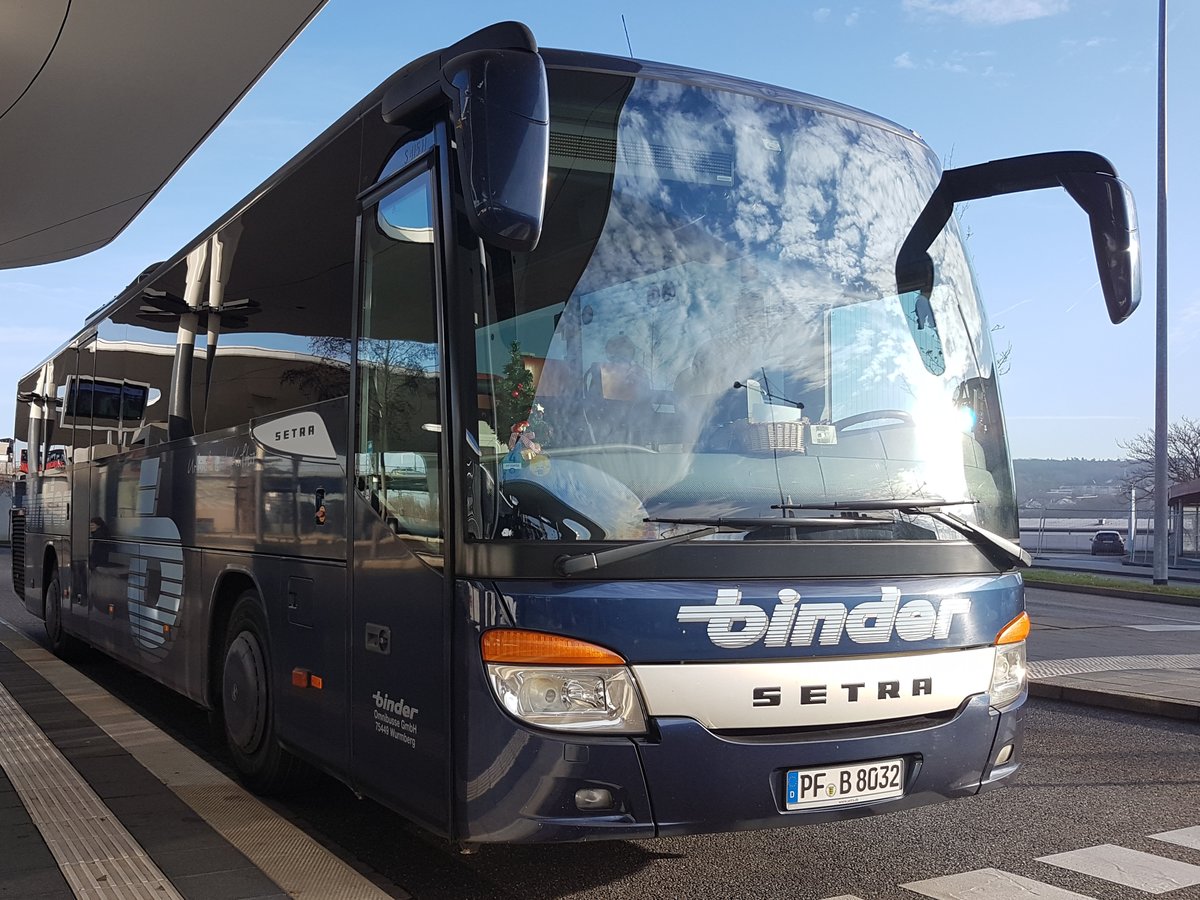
{"type": "Point", "coordinates": [627, 41]}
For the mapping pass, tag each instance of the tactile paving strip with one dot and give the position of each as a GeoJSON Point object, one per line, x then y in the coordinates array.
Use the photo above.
{"type": "Point", "coordinates": [1084, 665]}
{"type": "Point", "coordinates": [284, 853]}
{"type": "Point", "coordinates": [98, 857]}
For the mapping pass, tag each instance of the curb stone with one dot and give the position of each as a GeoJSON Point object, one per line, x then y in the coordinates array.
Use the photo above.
{"type": "Point", "coordinates": [1152, 706]}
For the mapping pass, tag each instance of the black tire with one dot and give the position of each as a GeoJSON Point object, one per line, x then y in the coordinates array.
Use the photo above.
{"type": "Point", "coordinates": [248, 703]}
{"type": "Point", "coordinates": [63, 645]}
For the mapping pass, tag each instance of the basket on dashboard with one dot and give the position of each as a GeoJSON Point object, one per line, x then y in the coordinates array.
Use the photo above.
{"type": "Point", "coordinates": [767, 437]}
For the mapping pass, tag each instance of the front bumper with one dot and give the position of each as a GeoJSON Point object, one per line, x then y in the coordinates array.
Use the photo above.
{"type": "Point", "coordinates": [738, 783]}
{"type": "Point", "coordinates": [519, 785]}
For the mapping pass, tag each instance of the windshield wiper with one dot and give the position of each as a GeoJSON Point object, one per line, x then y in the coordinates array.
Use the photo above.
{"type": "Point", "coordinates": [586, 562]}
{"type": "Point", "coordinates": [737, 524]}
{"type": "Point", "coordinates": [901, 505]}
{"type": "Point", "coordinates": [995, 547]}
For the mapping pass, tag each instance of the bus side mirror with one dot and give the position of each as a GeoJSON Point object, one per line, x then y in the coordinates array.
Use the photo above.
{"type": "Point", "coordinates": [500, 112]}
{"type": "Point", "coordinates": [1110, 208]}
{"type": "Point", "coordinates": [1091, 181]}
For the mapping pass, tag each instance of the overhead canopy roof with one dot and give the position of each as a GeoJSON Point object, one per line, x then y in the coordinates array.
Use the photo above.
{"type": "Point", "coordinates": [1185, 494]}
{"type": "Point", "coordinates": [100, 103]}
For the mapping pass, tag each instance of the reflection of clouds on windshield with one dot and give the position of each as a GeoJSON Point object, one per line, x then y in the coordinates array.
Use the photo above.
{"type": "Point", "coordinates": [954, 271]}
{"type": "Point", "coordinates": [746, 238]}
{"type": "Point", "coordinates": [809, 216]}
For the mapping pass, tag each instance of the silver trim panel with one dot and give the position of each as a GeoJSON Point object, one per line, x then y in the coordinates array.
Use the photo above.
{"type": "Point", "coordinates": [802, 693]}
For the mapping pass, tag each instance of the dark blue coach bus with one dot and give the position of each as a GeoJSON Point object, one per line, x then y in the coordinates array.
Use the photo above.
{"type": "Point", "coordinates": [566, 447]}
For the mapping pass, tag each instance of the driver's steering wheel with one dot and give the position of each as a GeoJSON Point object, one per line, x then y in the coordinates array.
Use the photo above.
{"type": "Point", "coordinates": [874, 415]}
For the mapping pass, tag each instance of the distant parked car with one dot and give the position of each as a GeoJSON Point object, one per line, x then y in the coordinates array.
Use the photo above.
{"type": "Point", "coordinates": [1107, 542]}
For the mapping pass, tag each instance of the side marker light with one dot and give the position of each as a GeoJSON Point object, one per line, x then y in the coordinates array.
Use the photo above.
{"type": "Point", "coordinates": [1015, 631]}
{"type": "Point", "coordinates": [518, 646]}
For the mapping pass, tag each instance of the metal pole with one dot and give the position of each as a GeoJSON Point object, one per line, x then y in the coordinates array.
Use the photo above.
{"type": "Point", "coordinates": [1132, 523]}
{"type": "Point", "coordinates": [1161, 523]}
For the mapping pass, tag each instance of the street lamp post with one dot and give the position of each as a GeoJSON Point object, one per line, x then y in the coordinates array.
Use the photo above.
{"type": "Point", "coordinates": [1161, 524]}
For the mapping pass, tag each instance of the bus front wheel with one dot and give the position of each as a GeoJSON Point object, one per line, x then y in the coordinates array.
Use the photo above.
{"type": "Point", "coordinates": [247, 704]}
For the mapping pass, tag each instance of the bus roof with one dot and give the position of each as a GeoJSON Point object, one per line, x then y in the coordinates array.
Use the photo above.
{"type": "Point", "coordinates": [418, 70]}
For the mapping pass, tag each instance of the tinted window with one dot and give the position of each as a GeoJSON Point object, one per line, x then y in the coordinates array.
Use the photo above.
{"type": "Point", "coordinates": [287, 306]}
{"type": "Point", "coordinates": [398, 458]}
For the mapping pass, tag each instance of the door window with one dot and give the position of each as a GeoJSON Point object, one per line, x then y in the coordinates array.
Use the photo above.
{"type": "Point", "coordinates": [398, 454]}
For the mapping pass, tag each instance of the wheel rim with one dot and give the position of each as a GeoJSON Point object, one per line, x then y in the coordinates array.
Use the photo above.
{"type": "Point", "coordinates": [244, 692]}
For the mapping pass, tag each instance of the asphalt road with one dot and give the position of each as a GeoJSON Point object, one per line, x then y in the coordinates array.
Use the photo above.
{"type": "Point", "coordinates": [1069, 625]}
{"type": "Point", "coordinates": [1091, 777]}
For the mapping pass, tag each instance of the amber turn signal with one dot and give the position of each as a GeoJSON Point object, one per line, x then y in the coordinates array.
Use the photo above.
{"type": "Point", "coordinates": [515, 645]}
{"type": "Point", "coordinates": [1014, 631]}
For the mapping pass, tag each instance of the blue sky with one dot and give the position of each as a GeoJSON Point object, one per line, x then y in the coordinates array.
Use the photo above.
{"type": "Point", "coordinates": [978, 79]}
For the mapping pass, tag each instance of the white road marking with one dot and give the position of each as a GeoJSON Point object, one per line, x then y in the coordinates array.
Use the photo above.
{"type": "Point", "coordinates": [989, 884]}
{"type": "Point", "coordinates": [1184, 837]}
{"type": "Point", "coordinates": [1163, 627]}
{"type": "Point", "coordinates": [1132, 868]}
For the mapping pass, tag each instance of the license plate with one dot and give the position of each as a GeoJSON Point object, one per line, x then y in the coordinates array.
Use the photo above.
{"type": "Point", "coordinates": [840, 785]}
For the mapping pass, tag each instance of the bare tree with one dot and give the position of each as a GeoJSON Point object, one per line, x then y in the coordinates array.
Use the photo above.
{"type": "Point", "coordinates": [1003, 358]}
{"type": "Point", "coordinates": [328, 374]}
{"type": "Point", "coordinates": [1183, 456]}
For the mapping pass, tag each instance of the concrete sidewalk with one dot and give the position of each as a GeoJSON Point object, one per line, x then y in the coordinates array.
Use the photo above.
{"type": "Point", "coordinates": [1157, 673]}
{"type": "Point", "coordinates": [1159, 685]}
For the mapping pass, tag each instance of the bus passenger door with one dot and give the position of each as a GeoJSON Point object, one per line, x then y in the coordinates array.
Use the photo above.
{"type": "Point", "coordinates": [399, 694]}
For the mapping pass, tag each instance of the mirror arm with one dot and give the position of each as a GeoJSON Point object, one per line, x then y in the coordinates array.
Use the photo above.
{"type": "Point", "coordinates": [1022, 173]}
{"type": "Point", "coordinates": [914, 268]}
{"type": "Point", "coordinates": [419, 84]}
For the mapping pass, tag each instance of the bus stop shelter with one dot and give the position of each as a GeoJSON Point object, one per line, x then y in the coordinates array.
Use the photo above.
{"type": "Point", "coordinates": [1184, 503]}
{"type": "Point", "coordinates": [101, 102]}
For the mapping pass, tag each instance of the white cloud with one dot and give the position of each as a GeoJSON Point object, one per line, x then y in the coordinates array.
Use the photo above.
{"type": "Point", "coordinates": [987, 12]}
{"type": "Point", "coordinates": [1092, 42]}
{"type": "Point", "coordinates": [957, 62]}
{"type": "Point", "coordinates": [852, 19]}
{"type": "Point", "coordinates": [1072, 418]}
{"type": "Point", "coordinates": [822, 14]}
{"type": "Point", "coordinates": [1185, 327]}
{"type": "Point", "coordinates": [40, 340]}
{"type": "Point", "coordinates": [33, 287]}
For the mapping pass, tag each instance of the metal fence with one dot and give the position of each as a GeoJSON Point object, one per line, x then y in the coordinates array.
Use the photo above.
{"type": "Point", "coordinates": [1052, 532]}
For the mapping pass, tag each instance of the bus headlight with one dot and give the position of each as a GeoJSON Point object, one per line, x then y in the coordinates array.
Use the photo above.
{"type": "Point", "coordinates": [594, 698]}
{"type": "Point", "coordinates": [1008, 673]}
{"type": "Point", "coordinates": [555, 681]}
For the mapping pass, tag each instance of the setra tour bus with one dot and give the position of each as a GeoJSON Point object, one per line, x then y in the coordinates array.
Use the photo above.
{"type": "Point", "coordinates": [566, 447]}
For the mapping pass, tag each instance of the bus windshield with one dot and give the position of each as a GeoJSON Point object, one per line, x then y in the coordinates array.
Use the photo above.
{"type": "Point", "coordinates": [710, 327]}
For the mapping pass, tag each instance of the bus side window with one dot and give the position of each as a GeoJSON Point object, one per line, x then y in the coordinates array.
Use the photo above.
{"type": "Point", "coordinates": [398, 437]}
